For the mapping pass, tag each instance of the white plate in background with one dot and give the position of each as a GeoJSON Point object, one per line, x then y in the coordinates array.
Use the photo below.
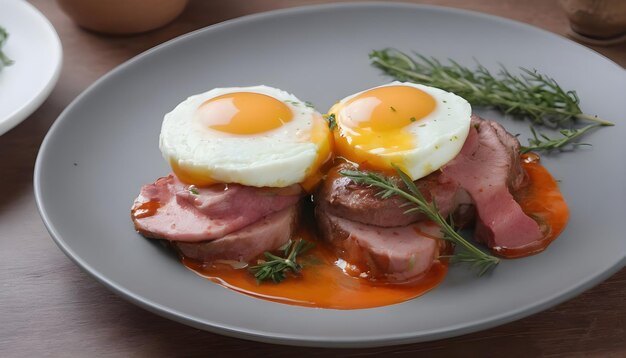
{"type": "Point", "coordinates": [35, 48]}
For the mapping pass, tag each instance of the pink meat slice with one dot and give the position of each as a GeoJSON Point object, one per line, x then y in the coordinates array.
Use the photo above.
{"type": "Point", "coordinates": [486, 170]}
{"type": "Point", "coordinates": [266, 234]}
{"type": "Point", "coordinates": [198, 214]}
{"type": "Point", "coordinates": [399, 254]}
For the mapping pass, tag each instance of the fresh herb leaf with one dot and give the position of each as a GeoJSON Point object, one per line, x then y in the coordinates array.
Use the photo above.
{"type": "Point", "coordinates": [479, 260]}
{"type": "Point", "coordinates": [332, 121]}
{"type": "Point", "coordinates": [275, 268]}
{"type": "Point", "coordinates": [4, 59]}
{"type": "Point", "coordinates": [542, 142]}
{"type": "Point", "coordinates": [528, 95]}
{"type": "Point", "coordinates": [193, 190]}
{"type": "Point", "coordinates": [297, 104]}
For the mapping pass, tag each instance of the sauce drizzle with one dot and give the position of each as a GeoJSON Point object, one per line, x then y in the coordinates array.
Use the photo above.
{"type": "Point", "coordinates": [149, 208]}
{"type": "Point", "coordinates": [322, 283]}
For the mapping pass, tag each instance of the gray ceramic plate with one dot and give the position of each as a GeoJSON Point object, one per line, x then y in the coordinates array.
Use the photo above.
{"type": "Point", "coordinates": [105, 146]}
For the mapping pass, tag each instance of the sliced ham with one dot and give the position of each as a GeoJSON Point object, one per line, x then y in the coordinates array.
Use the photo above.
{"type": "Point", "coordinates": [266, 234]}
{"type": "Point", "coordinates": [398, 254]}
{"type": "Point", "coordinates": [488, 169]}
{"type": "Point", "coordinates": [516, 176]}
{"type": "Point", "coordinates": [169, 209]}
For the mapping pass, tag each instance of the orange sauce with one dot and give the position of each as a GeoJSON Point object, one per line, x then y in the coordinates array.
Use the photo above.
{"type": "Point", "coordinates": [149, 208]}
{"type": "Point", "coordinates": [321, 283]}
{"type": "Point", "coordinates": [541, 200]}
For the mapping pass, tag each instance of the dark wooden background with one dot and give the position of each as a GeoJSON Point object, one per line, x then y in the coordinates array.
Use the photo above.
{"type": "Point", "coordinates": [48, 306]}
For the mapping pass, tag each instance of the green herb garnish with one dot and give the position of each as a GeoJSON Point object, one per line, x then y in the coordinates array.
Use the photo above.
{"type": "Point", "coordinates": [478, 259]}
{"type": "Point", "coordinates": [542, 142]}
{"type": "Point", "coordinates": [332, 121]}
{"type": "Point", "coordinates": [528, 95]}
{"type": "Point", "coordinates": [193, 190]}
{"type": "Point", "coordinates": [297, 104]}
{"type": "Point", "coordinates": [275, 268]}
{"type": "Point", "coordinates": [4, 60]}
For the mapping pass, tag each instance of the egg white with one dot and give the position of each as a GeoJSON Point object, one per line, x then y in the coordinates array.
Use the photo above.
{"type": "Point", "coordinates": [275, 158]}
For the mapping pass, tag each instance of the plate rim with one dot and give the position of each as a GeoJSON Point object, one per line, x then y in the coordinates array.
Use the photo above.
{"type": "Point", "coordinates": [293, 339]}
{"type": "Point", "coordinates": [21, 113]}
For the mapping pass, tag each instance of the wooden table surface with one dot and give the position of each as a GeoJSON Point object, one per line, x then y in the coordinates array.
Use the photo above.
{"type": "Point", "coordinates": [48, 306]}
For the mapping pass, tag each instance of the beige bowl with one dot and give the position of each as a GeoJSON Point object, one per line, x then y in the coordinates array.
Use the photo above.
{"type": "Point", "coordinates": [596, 18]}
{"type": "Point", "coordinates": [122, 16]}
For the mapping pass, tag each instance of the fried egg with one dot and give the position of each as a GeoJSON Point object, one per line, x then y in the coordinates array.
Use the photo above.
{"type": "Point", "coordinates": [415, 127]}
{"type": "Point", "coordinates": [257, 136]}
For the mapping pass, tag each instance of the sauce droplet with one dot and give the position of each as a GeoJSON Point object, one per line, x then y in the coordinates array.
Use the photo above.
{"type": "Point", "coordinates": [149, 208]}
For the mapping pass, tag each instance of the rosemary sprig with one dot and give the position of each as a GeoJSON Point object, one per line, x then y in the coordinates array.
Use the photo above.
{"type": "Point", "coordinates": [275, 268]}
{"type": "Point", "coordinates": [542, 142]}
{"type": "Point", "coordinates": [478, 259]}
{"type": "Point", "coordinates": [530, 95]}
{"type": "Point", "coordinates": [4, 60]}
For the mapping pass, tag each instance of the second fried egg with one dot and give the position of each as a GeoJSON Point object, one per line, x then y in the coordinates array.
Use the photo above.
{"type": "Point", "coordinates": [417, 128]}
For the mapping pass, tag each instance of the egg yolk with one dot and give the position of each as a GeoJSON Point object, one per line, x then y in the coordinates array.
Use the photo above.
{"type": "Point", "coordinates": [372, 125]}
{"type": "Point", "coordinates": [243, 113]}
